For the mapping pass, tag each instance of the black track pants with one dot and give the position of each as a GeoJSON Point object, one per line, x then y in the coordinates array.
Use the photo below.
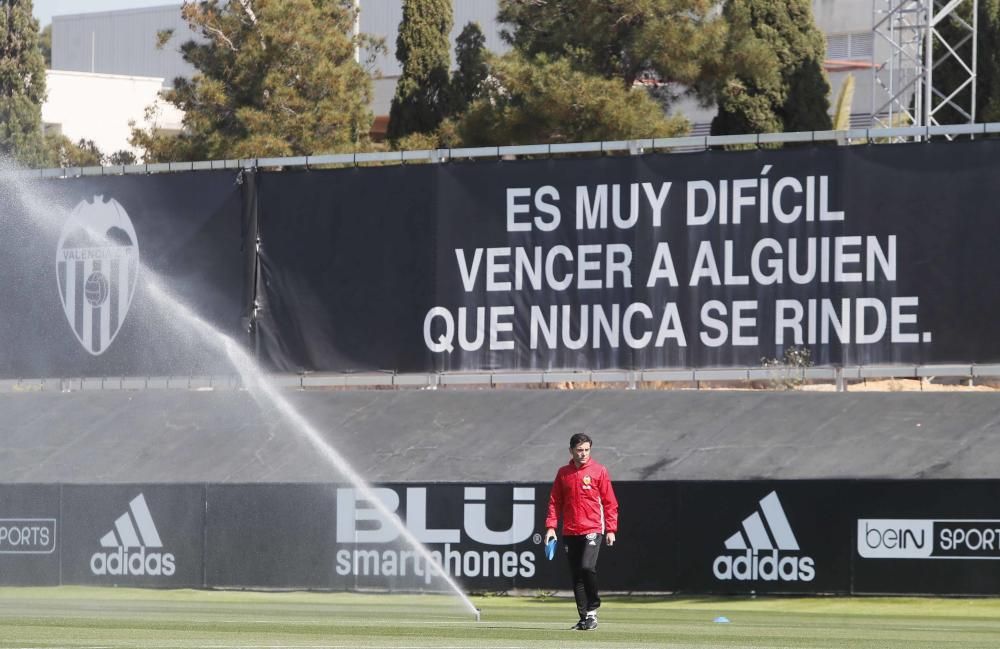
{"type": "Point", "coordinates": [582, 553]}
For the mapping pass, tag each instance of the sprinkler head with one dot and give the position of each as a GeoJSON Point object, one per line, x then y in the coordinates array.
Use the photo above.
{"type": "Point", "coordinates": [478, 612]}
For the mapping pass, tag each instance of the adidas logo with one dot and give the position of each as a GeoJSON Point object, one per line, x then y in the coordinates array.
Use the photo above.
{"type": "Point", "coordinates": [133, 533]}
{"type": "Point", "coordinates": [760, 550]}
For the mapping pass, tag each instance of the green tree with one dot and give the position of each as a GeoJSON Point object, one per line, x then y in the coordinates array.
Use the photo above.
{"type": "Point", "coordinates": [775, 81]}
{"type": "Point", "coordinates": [671, 41]}
{"type": "Point", "coordinates": [949, 74]}
{"type": "Point", "coordinates": [274, 78]}
{"type": "Point", "coordinates": [121, 157]}
{"type": "Point", "coordinates": [988, 62]}
{"type": "Point", "coordinates": [45, 44]}
{"type": "Point", "coordinates": [472, 69]}
{"type": "Point", "coordinates": [424, 52]}
{"type": "Point", "coordinates": [543, 100]}
{"type": "Point", "coordinates": [22, 84]}
{"type": "Point", "coordinates": [668, 47]}
{"type": "Point", "coordinates": [60, 151]}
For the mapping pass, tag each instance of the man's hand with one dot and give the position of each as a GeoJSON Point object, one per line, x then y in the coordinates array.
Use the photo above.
{"type": "Point", "coordinates": [609, 538]}
{"type": "Point", "coordinates": [549, 535]}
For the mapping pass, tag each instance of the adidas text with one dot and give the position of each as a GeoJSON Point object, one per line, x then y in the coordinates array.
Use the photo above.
{"type": "Point", "coordinates": [133, 546]}
{"type": "Point", "coordinates": [754, 565]}
{"type": "Point", "coordinates": [761, 550]}
{"type": "Point", "coordinates": [136, 563]}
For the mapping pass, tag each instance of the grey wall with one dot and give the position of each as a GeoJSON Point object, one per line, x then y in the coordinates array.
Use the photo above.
{"type": "Point", "coordinates": [162, 435]}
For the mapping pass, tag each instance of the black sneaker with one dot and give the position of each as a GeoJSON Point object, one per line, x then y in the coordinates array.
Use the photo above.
{"type": "Point", "coordinates": [579, 625]}
{"type": "Point", "coordinates": [589, 623]}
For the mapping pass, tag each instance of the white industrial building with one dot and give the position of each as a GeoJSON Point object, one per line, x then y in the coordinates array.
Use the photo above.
{"type": "Point", "coordinates": [104, 64]}
{"type": "Point", "coordinates": [101, 107]}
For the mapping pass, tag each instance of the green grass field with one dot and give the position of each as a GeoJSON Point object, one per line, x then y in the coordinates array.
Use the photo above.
{"type": "Point", "coordinates": [112, 618]}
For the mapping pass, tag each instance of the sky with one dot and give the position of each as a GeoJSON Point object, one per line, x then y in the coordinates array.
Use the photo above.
{"type": "Point", "coordinates": [45, 9]}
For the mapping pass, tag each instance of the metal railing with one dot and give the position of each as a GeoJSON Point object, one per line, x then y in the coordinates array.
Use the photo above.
{"type": "Point", "coordinates": [703, 377]}
{"type": "Point", "coordinates": [632, 147]}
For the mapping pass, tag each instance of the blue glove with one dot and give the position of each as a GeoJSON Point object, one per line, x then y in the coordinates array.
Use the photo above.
{"type": "Point", "coordinates": [550, 549]}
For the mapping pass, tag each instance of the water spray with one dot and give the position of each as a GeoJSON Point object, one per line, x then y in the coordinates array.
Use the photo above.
{"type": "Point", "coordinates": [263, 389]}
{"type": "Point", "coordinates": [254, 380]}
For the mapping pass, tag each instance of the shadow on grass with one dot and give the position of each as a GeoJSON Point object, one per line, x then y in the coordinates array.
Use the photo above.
{"type": "Point", "coordinates": [561, 598]}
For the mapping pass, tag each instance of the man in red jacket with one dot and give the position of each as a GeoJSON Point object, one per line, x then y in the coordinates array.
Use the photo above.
{"type": "Point", "coordinates": [583, 497]}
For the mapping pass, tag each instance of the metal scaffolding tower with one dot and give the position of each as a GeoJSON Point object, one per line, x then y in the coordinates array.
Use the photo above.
{"type": "Point", "coordinates": [912, 39]}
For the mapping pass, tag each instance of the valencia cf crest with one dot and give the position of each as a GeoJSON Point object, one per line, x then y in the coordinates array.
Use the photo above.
{"type": "Point", "coordinates": [97, 267]}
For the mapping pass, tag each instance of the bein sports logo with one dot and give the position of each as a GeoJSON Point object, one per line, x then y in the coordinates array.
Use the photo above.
{"type": "Point", "coordinates": [767, 556]}
{"type": "Point", "coordinates": [97, 269]}
{"type": "Point", "coordinates": [895, 539]}
{"type": "Point", "coordinates": [133, 533]}
{"type": "Point", "coordinates": [933, 538]}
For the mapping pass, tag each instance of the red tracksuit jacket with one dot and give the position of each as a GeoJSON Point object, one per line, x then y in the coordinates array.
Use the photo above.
{"type": "Point", "coordinates": [584, 499]}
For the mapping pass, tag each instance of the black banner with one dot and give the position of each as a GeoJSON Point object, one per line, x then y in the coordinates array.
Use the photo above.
{"type": "Point", "coordinates": [764, 537]}
{"type": "Point", "coordinates": [647, 557]}
{"type": "Point", "coordinates": [928, 537]}
{"type": "Point", "coordinates": [860, 255]}
{"type": "Point", "coordinates": [318, 536]}
{"type": "Point", "coordinates": [347, 267]}
{"type": "Point", "coordinates": [856, 255]}
{"type": "Point", "coordinates": [269, 536]}
{"type": "Point", "coordinates": [739, 537]}
{"type": "Point", "coordinates": [29, 535]}
{"type": "Point", "coordinates": [100, 272]}
{"type": "Point", "coordinates": [486, 537]}
{"type": "Point", "coordinates": [133, 535]}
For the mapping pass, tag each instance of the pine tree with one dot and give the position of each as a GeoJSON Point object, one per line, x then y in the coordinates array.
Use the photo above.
{"type": "Point", "coordinates": [60, 151]}
{"type": "Point", "coordinates": [22, 84]}
{"type": "Point", "coordinates": [45, 44]}
{"type": "Point", "coordinates": [668, 40]}
{"type": "Point", "coordinates": [775, 81]}
{"type": "Point", "coordinates": [541, 100]}
{"type": "Point", "coordinates": [424, 52]}
{"type": "Point", "coordinates": [988, 62]}
{"type": "Point", "coordinates": [275, 78]}
{"type": "Point", "coordinates": [473, 68]}
{"type": "Point", "coordinates": [638, 54]}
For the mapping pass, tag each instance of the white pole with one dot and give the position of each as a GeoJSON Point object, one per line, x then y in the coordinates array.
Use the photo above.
{"type": "Point", "coordinates": [975, 56]}
{"type": "Point", "coordinates": [927, 110]}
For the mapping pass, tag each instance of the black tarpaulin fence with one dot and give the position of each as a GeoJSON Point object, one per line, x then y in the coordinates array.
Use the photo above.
{"type": "Point", "coordinates": [839, 256]}
{"type": "Point", "coordinates": [740, 537]}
